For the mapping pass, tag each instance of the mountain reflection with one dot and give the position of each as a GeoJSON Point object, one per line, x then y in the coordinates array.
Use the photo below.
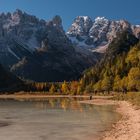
{"type": "Point", "coordinates": [59, 103]}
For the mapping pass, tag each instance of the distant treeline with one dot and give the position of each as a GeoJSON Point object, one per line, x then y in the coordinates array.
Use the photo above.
{"type": "Point", "coordinates": [53, 88]}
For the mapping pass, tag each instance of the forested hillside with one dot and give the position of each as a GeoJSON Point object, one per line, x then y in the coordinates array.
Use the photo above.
{"type": "Point", "coordinates": [119, 70]}
{"type": "Point", "coordinates": [8, 81]}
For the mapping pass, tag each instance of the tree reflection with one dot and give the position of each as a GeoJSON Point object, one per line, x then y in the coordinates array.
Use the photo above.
{"type": "Point", "coordinates": [59, 103]}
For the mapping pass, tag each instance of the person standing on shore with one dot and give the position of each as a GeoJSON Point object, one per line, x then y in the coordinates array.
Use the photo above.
{"type": "Point", "coordinates": [90, 97]}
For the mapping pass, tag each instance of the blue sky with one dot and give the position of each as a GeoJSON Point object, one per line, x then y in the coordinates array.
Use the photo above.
{"type": "Point", "coordinates": [69, 9]}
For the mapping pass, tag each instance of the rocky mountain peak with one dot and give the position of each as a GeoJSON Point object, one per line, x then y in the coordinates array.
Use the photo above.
{"type": "Point", "coordinates": [100, 32]}
{"type": "Point", "coordinates": [19, 29]}
{"type": "Point", "coordinates": [18, 12]}
{"type": "Point", "coordinates": [57, 21]}
{"type": "Point", "coordinates": [99, 29]}
{"type": "Point", "coordinates": [80, 26]}
{"type": "Point", "coordinates": [101, 20]}
{"type": "Point", "coordinates": [22, 35]}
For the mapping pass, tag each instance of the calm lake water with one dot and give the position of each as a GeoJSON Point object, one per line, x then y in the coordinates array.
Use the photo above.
{"type": "Point", "coordinates": [53, 119]}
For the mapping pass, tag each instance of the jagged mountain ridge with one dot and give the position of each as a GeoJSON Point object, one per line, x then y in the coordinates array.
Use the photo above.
{"type": "Point", "coordinates": [40, 50]}
{"type": "Point", "coordinates": [30, 46]}
{"type": "Point", "coordinates": [97, 34]}
{"type": "Point", "coordinates": [21, 29]}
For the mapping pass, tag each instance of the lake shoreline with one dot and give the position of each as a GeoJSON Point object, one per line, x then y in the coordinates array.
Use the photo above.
{"type": "Point", "coordinates": [26, 96]}
{"type": "Point", "coordinates": [128, 127]}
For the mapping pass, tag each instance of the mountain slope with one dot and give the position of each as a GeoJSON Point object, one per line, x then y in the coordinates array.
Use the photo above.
{"type": "Point", "coordinates": [21, 34]}
{"type": "Point", "coordinates": [51, 63]}
{"type": "Point", "coordinates": [40, 50]}
{"type": "Point", "coordinates": [119, 69]}
{"type": "Point", "coordinates": [8, 82]}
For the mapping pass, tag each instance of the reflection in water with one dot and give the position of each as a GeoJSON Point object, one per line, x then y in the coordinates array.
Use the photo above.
{"type": "Point", "coordinates": [61, 103]}
{"type": "Point", "coordinates": [53, 119]}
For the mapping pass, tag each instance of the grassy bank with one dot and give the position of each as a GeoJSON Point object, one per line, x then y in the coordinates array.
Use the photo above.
{"type": "Point", "coordinates": [133, 97]}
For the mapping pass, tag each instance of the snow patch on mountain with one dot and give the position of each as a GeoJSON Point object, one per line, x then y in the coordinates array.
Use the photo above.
{"type": "Point", "coordinates": [33, 43]}
{"type": "Point", "coordinates": [99, 33]}
{"type": "Point", "coordinates": [81, 43]}
{"type": "Point", "coordinates": [10, 51]}
{"type": "Point", "coordinates": [81, 26]}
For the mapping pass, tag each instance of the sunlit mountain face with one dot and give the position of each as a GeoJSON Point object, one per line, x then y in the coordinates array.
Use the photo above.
{"type": "Point", "coordinates": [97, 34]}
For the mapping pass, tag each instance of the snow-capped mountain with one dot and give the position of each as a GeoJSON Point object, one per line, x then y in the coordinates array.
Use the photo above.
{"type": "Point", "coordinates": [29, 46]}
{"type": "Point", "coordinates": [81, 26]}
{"type": "Point", "coordinates": [21, 33]}
{"type": "Point", "coordinates": [27, 33]}
{"type": "Point", "coordinates": [96, 35]}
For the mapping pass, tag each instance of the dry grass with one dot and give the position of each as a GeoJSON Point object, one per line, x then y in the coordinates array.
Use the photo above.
{"type": "Point", "coordinates": [133, 97]}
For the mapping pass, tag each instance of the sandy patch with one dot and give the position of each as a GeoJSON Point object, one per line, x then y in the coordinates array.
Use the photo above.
{"type": "Point", "coordinates": [128, 128]}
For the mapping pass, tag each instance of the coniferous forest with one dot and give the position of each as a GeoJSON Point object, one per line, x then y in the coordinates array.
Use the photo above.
{"type": "Point", "coordinates": [119, 70]}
